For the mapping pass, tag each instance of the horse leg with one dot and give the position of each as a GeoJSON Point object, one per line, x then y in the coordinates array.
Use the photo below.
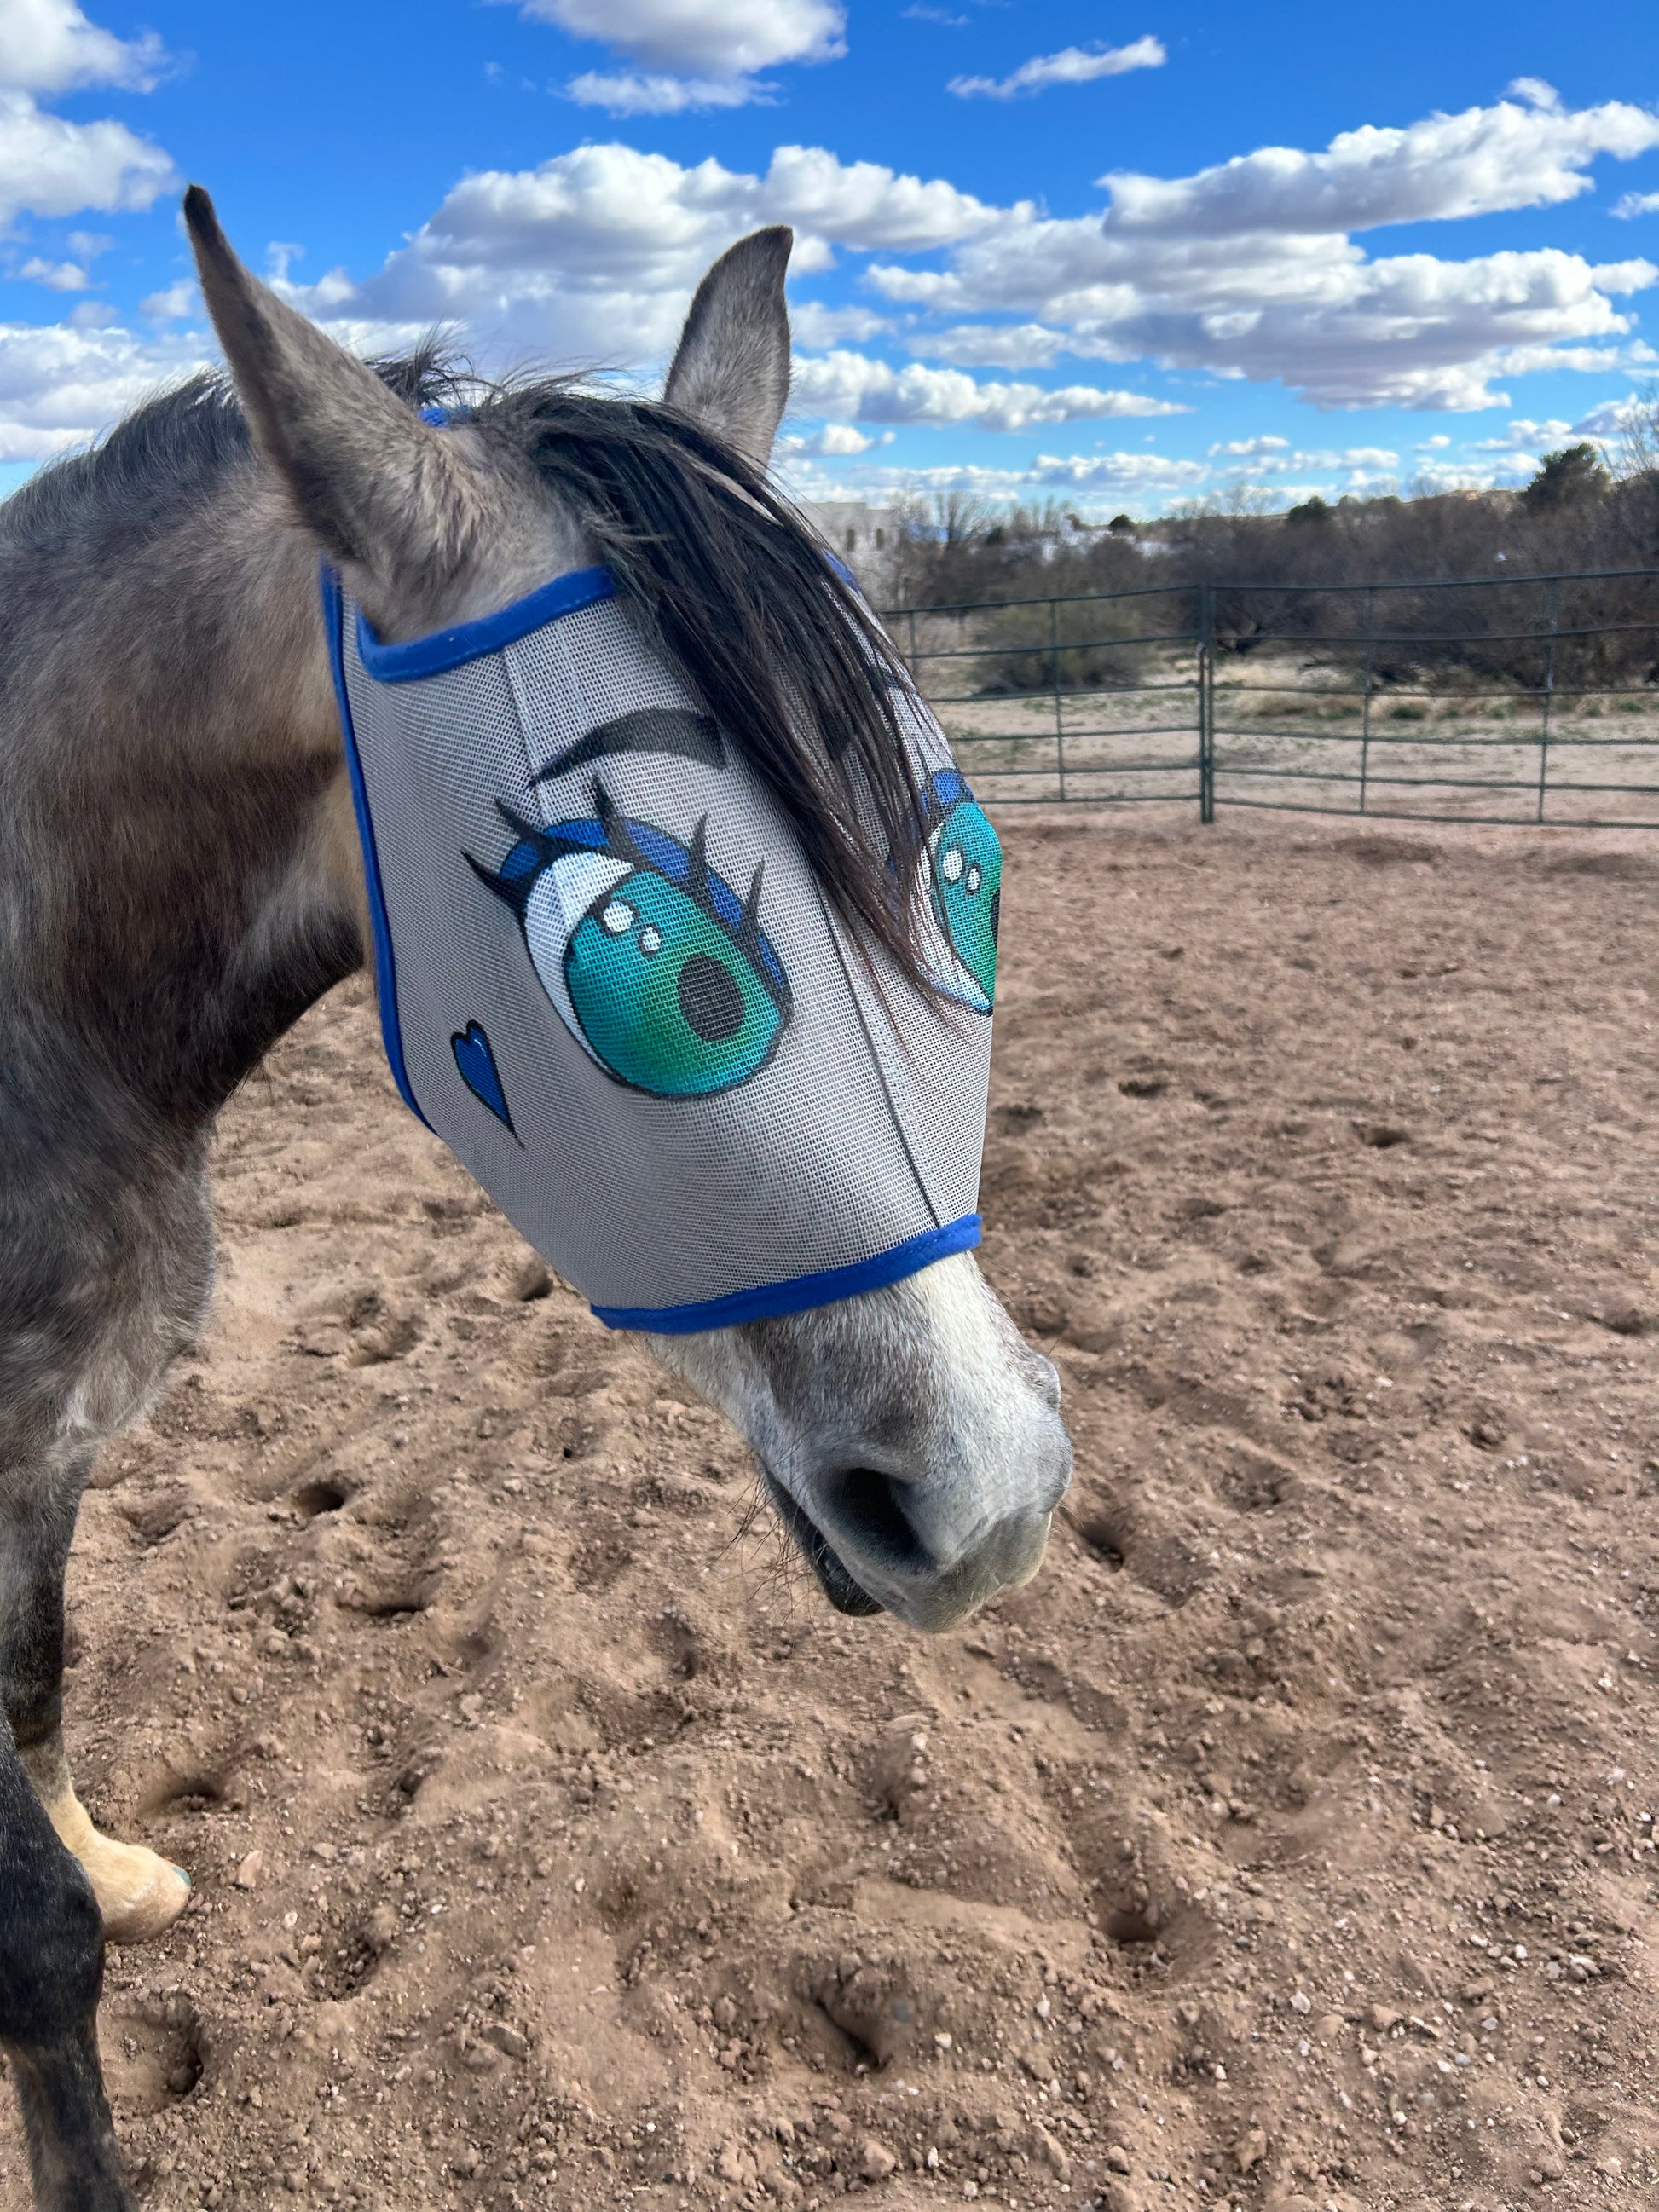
{"type": "Point", "coordinates": [138, 1893]}
{"type": "Point", "coordinates": [52, 1968]}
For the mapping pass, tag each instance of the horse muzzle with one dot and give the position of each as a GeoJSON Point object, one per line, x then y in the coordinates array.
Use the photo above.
{"type": "Point", "coordinates": [929, 1551]}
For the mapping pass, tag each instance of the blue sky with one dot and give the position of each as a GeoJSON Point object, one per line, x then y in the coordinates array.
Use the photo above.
{"type": "Point", "coordinates": [1123, 255]}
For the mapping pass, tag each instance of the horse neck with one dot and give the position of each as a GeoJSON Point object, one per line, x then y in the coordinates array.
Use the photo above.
{"type": "Point", "coordinates": [180, 842]}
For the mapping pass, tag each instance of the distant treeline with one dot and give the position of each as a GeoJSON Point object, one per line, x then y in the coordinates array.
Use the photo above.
{"type": "Point", "coordinates": [1585, 510]}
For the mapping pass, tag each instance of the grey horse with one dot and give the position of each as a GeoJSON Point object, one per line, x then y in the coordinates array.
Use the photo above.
{"type": "Point", "coordinates": [180, 880]}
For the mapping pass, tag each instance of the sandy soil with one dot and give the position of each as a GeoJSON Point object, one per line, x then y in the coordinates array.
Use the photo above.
{"type": "Point", "coordinates": [1287, 1844]}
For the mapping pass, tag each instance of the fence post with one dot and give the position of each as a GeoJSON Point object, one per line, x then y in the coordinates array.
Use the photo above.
{"type": "Point", "coordinates": [1549, 695]}
{"type": "Point", "coordinates": [916, 666]}
{"type": "Point", "coordinates": [1059, 709]}
{"type": "Point", "coordinates": [1366, 711]}
{"type": "Point", "coordinates": [1207, 703]}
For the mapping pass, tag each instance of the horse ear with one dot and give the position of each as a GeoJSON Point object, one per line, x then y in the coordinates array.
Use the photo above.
{"type": "Point", "coordinates": [731, 371]}
{"type": "Point", "coordinates": [385, 494]}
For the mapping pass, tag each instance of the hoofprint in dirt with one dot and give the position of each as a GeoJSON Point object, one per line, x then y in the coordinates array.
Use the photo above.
{"type": "Point", "coordinates": [1286, 1843]}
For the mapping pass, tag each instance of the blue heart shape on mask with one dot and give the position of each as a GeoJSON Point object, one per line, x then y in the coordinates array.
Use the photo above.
{"type": "Point", "coordinates": [476, 1063]}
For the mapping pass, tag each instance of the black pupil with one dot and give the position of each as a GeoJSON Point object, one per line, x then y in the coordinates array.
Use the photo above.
{"type": "Point", "coordinates": [710, 999]}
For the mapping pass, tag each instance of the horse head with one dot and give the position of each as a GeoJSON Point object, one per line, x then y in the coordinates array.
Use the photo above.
{"type": "Point", "coordinates": [910, 1439]}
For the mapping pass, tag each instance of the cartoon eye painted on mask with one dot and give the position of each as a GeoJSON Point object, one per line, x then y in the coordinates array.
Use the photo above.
{"type": "Point", "coordinates": [963, 890]}
{"type": "Point", "coordinates": [655, 966]}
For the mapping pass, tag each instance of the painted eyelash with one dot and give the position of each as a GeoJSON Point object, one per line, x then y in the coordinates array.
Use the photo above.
{"type": "Point", "coordinates": [515, 889]}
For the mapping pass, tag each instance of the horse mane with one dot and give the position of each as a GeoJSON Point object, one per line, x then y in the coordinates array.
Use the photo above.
{"type": "Point", "coordinates": [161, 462]}
{"type": "Point", "coordinates": [164, 461]}
{"type": "Point", "coordinates": [724, 576]}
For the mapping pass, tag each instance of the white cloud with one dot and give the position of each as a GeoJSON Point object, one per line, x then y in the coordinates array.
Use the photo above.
{"type": "Point", "coordinates": [1310, 308]}
{"type": "Point", "coordinates": [1501, 460]}
{"type": "Point", "coordinates": [56, 276]}
{"type": "Point", "coordinates": [835, 441]}
{"type": "Point", "coordinates": [1118, 475]}
{"type": "Point", "coordinates": [48, 46]}
{"type": "Point", "coordinates": [842, 438]}
{"type": "Point", "coordinates": [1513, 464]}
{"type": "Point", "coordinates": [1522, 436]}
{"type": "Point", "coordinates": [693, 53]}
{"type": "Point", "coordinates": [994, 345]}
{"type": "Point", "coordinates": [1118, 472]}
{"type": "Point", "coordinates": [1636, 204]}
{"type": "Point", "coordinates": [173, 305]}
{"type": "Point", "coordinates": [864, 206]}
{"type": "Point", "coordinates": [1613, 417]}
{"type": "Point", "coordinates": [1359, 464]}
{"type": "Point", "coordinates": [815, 324]}
{"type": "Point", "coordinates": [1250, 449]}
{"type": "Point", "coordinates": [630, 93]}
{"type": "Point", "coordinates": [1433, 476]}
{"type": "Point", "coordinates": [851, 386]}
{"type": "Point", "coordinates": [52, 168]}
{"type": "Point", "coordinates": [1097, 484]}
{"type": "Point", "coordinates": [60, 383]}
{"type": "Point", "coordinates": [1522, 360]}
{"type": "Point", "coordinates": [1273, 456]}
{"type": "Point", "coordinates": [1072, 66]}
{"type": "Point", "coordinates": [594, 255]}
{"type": "Point", "coordinates": [712, 38]}
{"type": "Point", "coordinates": [64, 276]}
{"type": "Point", "coordinates": [1483, 161]}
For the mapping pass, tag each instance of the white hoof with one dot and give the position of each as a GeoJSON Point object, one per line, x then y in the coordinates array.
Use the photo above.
{"type": "Point", "coordinates": [138, 1892]}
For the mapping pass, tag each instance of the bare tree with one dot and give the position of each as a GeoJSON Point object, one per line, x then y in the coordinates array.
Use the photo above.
{"type": "Point", "coordinates": [1636, 455]}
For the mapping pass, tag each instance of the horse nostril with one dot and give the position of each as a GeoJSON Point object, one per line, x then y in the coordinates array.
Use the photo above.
{"type": "Point", "coordinates": [1049, 1382]}
{"type": "Point", "coordinates": [867, 1505]}
{"type": "Point", "coordinates": [871, 1503]}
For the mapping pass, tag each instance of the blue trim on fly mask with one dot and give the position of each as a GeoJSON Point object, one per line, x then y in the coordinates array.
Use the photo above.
{"type": "Point", "coordinates": [771, 1300]}
{"type": "Point", "coordinates": [385, 969]}
{"type": "Point", "coordinates": [452, 648]}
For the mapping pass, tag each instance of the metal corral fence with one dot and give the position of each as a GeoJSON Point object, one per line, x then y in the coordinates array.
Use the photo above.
{"type": "Point", "coordinates": [1501, 699]}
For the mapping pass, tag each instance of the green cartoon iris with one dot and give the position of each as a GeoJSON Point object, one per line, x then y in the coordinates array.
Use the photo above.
{"type": "Point", "coordinates": [968, 889]}
{"type": "Point", "coordinates": [663, 994]}
{"type": "Point", "coordinates": [656, 966]}
{"type": "Point", "coordinates": [964, 884]}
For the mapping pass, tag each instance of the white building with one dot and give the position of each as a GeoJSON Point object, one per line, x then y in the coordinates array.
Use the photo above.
{"type": "Point", "coordinates": [865, 537]}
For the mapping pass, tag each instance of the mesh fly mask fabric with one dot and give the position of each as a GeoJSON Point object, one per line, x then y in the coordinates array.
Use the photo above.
{"type": "Point", "coordinates": [610, 982]}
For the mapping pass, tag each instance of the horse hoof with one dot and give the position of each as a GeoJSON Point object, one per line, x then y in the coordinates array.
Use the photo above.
{"type": "Point", "coordinates": [138, 1892]}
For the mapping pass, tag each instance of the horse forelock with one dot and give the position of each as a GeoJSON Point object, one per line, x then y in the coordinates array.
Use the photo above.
{"type": "Point", "coordinates": [732, 585]}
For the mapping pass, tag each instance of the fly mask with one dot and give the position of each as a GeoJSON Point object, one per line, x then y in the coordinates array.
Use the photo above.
{"type": "Point", "coordinates": [610, 982]}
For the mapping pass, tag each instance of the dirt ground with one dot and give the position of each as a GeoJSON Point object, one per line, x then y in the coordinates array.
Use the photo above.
{"type": "Point", "coordinates": [1288, 1843]}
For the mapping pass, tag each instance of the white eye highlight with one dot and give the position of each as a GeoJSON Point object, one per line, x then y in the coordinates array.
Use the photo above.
{"type": "Point", "coordinates": [950, 866]}
{"type": "Point", "coordinates": [619, 917]}
{"type": "Point", "coordinates": [974, 877]}
{"type": "Point", "coordinates": [650, 940]}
